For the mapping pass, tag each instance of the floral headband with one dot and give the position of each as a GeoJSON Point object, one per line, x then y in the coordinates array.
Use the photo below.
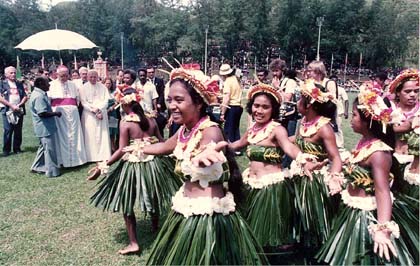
{"type": "Point", "coordinates": [313, 90]}
{"type": "Point", "coordinates": [123, 98]}
{"type": "Point", "coordinates": [207, 88]}
{"type": "Point", "coordinates": [372, 104]}
{"type": "Point", "coordinates": [406, 75]}
{"type": "Point", "coordinates": [261, 87]}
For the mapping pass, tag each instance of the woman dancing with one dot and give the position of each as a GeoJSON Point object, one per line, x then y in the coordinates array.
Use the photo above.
{"type": "Point", "coordinates": [203, 226]}
{"type": "Point", "coordinates": [146, 181]}
{"type": "Point", "coordinates": [363, 226]}
{"type": "Point", "coordinates": [315, 137]}
{"type": "Point", "coordinates": [268, 207]}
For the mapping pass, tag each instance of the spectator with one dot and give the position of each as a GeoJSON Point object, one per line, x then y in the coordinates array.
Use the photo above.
{"type": "Point", "coordinates": [342, 112]}
{"type": "Point", "coordinates": [13, 99]}
{"type": "Point", "coordinates": [45, 129]}
{"type": "Point", "coordinates": [94, 97]}
{"type": "Point", "coordinates": [64, 97]}
{"type": "Point", "coordinates": [231, 109]}
{"type": "Point", "coordinates": [161, 118]}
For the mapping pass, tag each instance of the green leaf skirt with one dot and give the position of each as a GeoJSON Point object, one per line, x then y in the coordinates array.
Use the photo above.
{"type": "Point", "coordinates": [350, 243]}
{"type": "Point", "coordinates": [269, 213]}
{"type": "Point", "coordinates": [405, 211]}
{"type": "Point", "coordinates": [315, 210]}
{"type": "Point", "coordinates": [149, 185]}
{"type": "Point", "coordinates": [206, 240]}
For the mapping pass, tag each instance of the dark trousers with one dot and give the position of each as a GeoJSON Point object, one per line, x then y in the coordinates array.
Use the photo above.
{"type": "Point", "coordinates": [161, 122]}
{"type": "Point", "coordinates": [232, 120]}
{"type": "Point", "coordinates": [291, 131]}
{"type": "Point", "coordinates": [10, 130]}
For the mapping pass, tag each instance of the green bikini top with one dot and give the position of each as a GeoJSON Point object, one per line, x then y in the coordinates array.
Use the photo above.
{"type": "Point", "coordinates": [317, 149]}
{"type": "Point", "coordinates": [359, 176]}
{"type": "Point", "coordinates": [413, 141]}
{"type": "Point", "coordinates": [265, 154]}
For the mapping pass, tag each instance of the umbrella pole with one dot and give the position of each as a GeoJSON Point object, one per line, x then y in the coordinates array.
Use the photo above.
{"type": "Point", "coordinates": [59, 55]}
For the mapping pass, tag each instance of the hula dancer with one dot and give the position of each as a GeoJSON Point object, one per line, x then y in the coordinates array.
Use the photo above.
{"type": "Point", "coordinates": [203, 226]}
{"type": "Point", "coordinates": [140, 180]}
{"type": "Point", "coordinates": [268, 207]}
{"type": "Point", "coordinates": [363, 232]}
{"type": "Point", "coordinates": [316, 137]}
{"type": "Point", "coordinates": [405, 87]}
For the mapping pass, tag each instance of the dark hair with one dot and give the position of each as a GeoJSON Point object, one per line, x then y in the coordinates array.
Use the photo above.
{"type": "Point", "coordinates": [263, 70]}
{"type": "Point", "coordinates": [326, 109]}
{"type": "Point", "coordinates": [141, 70]}
{"type": "Point", "coordinates": [274, 104]}
{"type": "Point", "coordinates": [39, 81]}
{"type": "Point", "coordinates": [75, 71]}
{"type": "Point", "coordinates": [278, 64]}
{"type": "Point", "coordinates": [196, 98]}
{"type": "Point", "coordinates": [381, 75]}
{"type": "Point", "coordinates": [112, 83]}
{"type": "Point", "coordinates": [375, 127]}
{"type": "Point", "coordinates": [291, 74]}
{"type": "Point", "coordinates": [138, 110]}
{"type": "Point", "coordinates": [132, 74]}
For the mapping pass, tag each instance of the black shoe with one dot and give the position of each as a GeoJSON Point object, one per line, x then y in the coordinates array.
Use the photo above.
{"type": "Point", "coordinates": [18, 151]}
{"type": "Point", "coordinates": [37, 172]}
{"type": "Point", "coordinates": [5, 153]}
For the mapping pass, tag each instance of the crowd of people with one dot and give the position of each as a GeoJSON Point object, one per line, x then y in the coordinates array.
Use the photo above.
{"type": "Point", "coordinates": [302, 191]}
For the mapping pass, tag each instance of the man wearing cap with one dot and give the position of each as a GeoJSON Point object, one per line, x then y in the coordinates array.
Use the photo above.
{"type": "Point", "coordinates": [231, 109]}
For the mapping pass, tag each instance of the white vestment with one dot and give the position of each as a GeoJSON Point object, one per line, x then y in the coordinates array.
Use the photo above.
{"type": "Point", "coordinates": [71, 146]}
{"type": "Point", "coordinates": [95, 131]}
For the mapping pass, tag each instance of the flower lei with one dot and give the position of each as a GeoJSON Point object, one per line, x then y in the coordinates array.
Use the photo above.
{"type": "Point", "coordinates": [411, 178]}
{"type": "Point", "coordinates": [188, 147]}
{"type": "Point", "coordinates": [202, 205]}
{"type": "Point", "coordinates": [131, 117]}
{"type": "Point", "coordinates": [265, 180]}
{"type": "Point", "coordinates": [255, 136]}
{"type": "Point", "coordinates": [313, 126]}
{"type": "Point", "coordinates": [364, 151]}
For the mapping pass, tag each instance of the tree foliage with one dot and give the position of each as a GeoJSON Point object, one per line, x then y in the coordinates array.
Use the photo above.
{"type": "Point", "coordinates": [384, 31]}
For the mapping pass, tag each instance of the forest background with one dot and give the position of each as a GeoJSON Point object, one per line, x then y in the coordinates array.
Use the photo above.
{"type": "Point", "coordinates": [384, 32]}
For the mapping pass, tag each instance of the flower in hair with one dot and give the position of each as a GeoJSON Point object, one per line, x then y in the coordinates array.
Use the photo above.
{"type": "Point", "coordinates": [406, 75]}
{"type": "Point", "coordinates": [261, 87]}
{"type": "Point", "coordinates": [313, 90]}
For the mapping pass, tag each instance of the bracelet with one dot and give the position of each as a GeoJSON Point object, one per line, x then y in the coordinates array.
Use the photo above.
{"type": "Point", "coordinates": [335, 182]}
{"type": "Point", "coordinates": [389, 226]}
{"type": "Point", "coordinates": [104, 167]}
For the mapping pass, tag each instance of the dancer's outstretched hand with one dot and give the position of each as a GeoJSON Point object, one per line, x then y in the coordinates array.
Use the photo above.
{"type": "Point", "coordinates": [210, 155]}
{"type": "Point", "coordinates": [309, 167]}
{"type": "Point", "coordinates": [383, 244]}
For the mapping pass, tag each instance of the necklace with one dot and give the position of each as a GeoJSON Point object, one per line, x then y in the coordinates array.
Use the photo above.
{"type": "Point", "coordinates": [410, 113]}
{"type": "Point", "coordinates": [364, 143]}
{"type": "Point", "coordinates": [255, 129]}
{"type": "Point", "coordinates": [310, 123]}
{"type": "Point", "coordinates": [185, 134]}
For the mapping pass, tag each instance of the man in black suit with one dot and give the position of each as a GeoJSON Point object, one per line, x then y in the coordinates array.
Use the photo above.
{"type": "Point", "coordinates": [13, 99]}
{"type": "Point", "coordinates": [161, 118]}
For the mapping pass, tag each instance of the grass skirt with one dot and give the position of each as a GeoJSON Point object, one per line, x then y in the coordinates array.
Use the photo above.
{"type": "Point", "coordinates": [314, 210]}
{"type": "Point", "coordinates": [149, 185]}
{"type": "Point", "coordinates": [350, 243]}
{"type": "Point", "coordinates": [206, 240]}
{"type": "Point", "coordinates": [270, 214]}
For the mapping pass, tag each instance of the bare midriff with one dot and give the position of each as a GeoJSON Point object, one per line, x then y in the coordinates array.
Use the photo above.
{"type": "Point", "coordinates": [194, 190]}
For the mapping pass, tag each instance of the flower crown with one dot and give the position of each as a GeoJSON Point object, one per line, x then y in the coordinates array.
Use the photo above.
{"type": "Point", "coordinates": [207, 88]}
{"type": "Point", "coordinates": [123, 98]}
{"type": "Point", "coordinates": [409, 74]}
{"type": "Point", "coordinates": [261, 87]}
{"type": "Point", "coordinates": [372, 104]}
{"type": "Point", "coordinates": [313, 90]}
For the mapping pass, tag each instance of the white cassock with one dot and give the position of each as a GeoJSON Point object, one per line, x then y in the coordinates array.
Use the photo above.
{"type": "Point", "coordinates": [71, 146]}
{"type": "Point", "coordinates": [95, 131]}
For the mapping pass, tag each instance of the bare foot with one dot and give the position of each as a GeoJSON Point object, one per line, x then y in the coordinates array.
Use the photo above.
{"type": "Point", "coordinates": [130, 249]}
{"type": "Point", "coordinates": [93, 173]}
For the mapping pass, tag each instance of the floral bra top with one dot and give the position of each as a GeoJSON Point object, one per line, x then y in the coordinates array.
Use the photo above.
{"type": "Point", "coordinates": [188, 146]}
{"type": "Point", "coordinates": [266, 154]}
{"type": "Point", "coordinates": [308, 130]}
{"type": "Point", "coordinates": [359, 176]}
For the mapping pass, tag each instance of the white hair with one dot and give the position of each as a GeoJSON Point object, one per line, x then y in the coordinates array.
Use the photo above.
{"type": "Point", "coordinates": [83, 69]}
{"type": "Point", "coordinates": [8, 69]}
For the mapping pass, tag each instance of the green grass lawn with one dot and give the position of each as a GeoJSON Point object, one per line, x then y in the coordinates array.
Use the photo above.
{"type": "Point", "coordinates": [50, 222]}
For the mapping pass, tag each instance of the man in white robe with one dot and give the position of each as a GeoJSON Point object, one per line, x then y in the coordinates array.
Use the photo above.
{"type": "Point", "coordinates": [64, 98]}
{"type": "Point", "coordinates": [94, 97]}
